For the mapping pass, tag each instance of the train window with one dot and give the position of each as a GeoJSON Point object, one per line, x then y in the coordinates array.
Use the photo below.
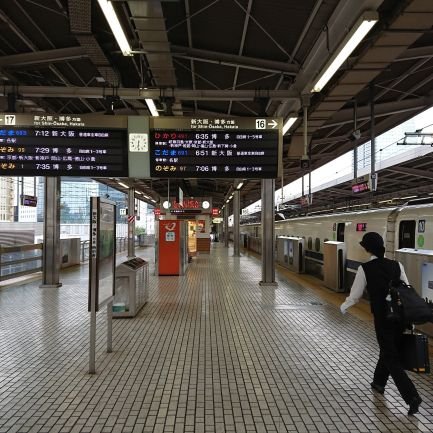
{"type": "Point", "coordinates": [317, 244]}
{"type": "Point", "coordinates": [310, 243]}
{"type": "Point", "coordinates": [406, 234]}
{"type": "Point", "coordinates": [340, 232]}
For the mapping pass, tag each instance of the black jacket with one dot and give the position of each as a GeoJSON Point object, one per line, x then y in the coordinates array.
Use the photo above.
{"type": "Point", "coordinates": [378, 273]}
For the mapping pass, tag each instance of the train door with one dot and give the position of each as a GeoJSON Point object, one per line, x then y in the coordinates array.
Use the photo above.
{"type": "Point", "coordinates": [406, 235]}
{"type": "Point", "coordinates": [340, 232]}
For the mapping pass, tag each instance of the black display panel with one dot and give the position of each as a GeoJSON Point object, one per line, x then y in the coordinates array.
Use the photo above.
{"type": "Point", "coordinates": [237, 153]}
{"type": "Point", "coordinates": [360, 187]}
{"type": "Point", "coordinates": [63, 151]}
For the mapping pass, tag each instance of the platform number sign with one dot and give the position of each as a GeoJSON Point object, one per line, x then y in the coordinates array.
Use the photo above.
{"type": "Point", "coordinates": [421, 226]}
{"type": "Point", "coordinates": [260, 123]}
{"type": "Point", "coordinates": [10, 119]}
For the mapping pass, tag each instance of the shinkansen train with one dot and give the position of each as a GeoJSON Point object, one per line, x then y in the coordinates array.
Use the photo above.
{"type": "Point", "coordinates": [409, 226]}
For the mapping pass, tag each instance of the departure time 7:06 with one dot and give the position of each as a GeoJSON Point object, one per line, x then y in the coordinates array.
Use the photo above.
{"type": "Point", "coordinates": [201, 168]}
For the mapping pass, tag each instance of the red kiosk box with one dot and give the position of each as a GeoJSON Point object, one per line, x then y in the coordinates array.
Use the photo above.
{"type": "Point", "coordinates": [171, 251]}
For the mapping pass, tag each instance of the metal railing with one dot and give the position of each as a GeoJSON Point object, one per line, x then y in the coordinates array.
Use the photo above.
{"type": "Point", "coordinates": [16, 261]}
{"type": "Point", "coordinates": [84, 251]}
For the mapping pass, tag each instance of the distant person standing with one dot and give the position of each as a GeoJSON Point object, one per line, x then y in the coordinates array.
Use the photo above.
{"type": "Point", "coordinates": [375, 276]}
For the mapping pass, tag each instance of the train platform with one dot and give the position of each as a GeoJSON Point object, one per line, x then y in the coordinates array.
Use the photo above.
{"type": "Point", "coordinates": [212, 351]}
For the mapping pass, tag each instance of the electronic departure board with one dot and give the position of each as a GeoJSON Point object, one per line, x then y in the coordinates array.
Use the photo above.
{"type": "Point", "coordinates": [61, 146]}
{"type": "Point", "coordinates": [227, 148]}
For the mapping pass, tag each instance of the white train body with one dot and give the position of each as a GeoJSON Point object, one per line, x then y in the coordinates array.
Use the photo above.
{"type": "Point", "coordinates": [404, 227]}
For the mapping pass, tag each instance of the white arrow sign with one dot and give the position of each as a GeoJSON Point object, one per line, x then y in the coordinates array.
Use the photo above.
{"type": "Point", "coordinates": [273, 123]}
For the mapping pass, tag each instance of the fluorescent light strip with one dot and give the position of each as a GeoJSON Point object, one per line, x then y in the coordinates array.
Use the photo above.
{"type": "Point", "coordinates": [289, 122]}
{"type": "Point", "coordinates": [152, 107]}
{"type": "Point", "coordinates": [115, 26]}
{"type": "Point", "coordinates": [240, 185]}
{"type": "Point", "coordinates": [355, 36]}
{"type": "Point", "coordinates": [122, 184]}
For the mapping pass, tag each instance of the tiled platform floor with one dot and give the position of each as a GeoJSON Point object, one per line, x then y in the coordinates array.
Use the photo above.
{"type": "Point", "coordinates": [211, 352]}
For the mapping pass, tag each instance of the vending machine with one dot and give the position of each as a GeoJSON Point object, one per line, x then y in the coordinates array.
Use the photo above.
{"type": "Point", "coordinates": [171, 249]}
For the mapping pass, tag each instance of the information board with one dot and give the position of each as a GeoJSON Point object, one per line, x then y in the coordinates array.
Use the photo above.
{"type": "Point", "coordinates": [102, 252]}
{"type": "Point", "coordinates": [215, 147]}
{"type": "Point", "coordinates": [60, 145]}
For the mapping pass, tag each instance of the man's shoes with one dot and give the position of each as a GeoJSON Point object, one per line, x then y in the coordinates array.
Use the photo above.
{"type": "Point", "coordinates": [414, 405]}
{"type": "Point", "coordinates": [379, 388]}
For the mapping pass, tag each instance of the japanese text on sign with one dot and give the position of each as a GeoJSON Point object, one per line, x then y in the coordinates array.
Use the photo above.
{"type": "Point", "coordinates": [238, 153]}
{"type": "Point", "coordinates": [62, 151]}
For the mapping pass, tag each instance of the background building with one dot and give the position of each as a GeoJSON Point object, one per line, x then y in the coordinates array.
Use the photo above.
{"type": "Point", "coordinates": [6, 199]}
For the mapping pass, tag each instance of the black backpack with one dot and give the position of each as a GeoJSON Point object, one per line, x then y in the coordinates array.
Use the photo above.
{"type": "Point", "coordinates": [405, 306]}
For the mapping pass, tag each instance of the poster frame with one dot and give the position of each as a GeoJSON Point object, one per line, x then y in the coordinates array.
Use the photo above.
{"type": "Point", "coordinates": [95, 303]}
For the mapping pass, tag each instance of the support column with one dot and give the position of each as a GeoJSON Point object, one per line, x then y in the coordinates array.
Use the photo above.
{"type": "Point", "coordinates": [268, 238]}
{"type": "Point", "coordinates": [373, 175]}
{"type": "Point", "coordinates": [355, 149]}
{"type": "Point", "coordinates": [236, 221]}
{"type": "Point", "coordinates": [131, 223]}
{"type": "Point", "coordinates": [51, 247]}
{"type": "Point", "coordinates": [226, 225]}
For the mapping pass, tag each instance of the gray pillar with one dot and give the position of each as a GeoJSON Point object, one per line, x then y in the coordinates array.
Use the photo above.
{"type": "Point", "coordinates": [226, 225]}
{"type": "Point", "coordinates": [236, 220]}
{"type": "Point", "coordinates": [355, 150]}
{"type": "Point", "coordinates": [268, 238]}
{"type": "Point", "coordinates": [373, 139]}
{"type": "Point", "coordinates": [51, 248]}
{"type": "Point", "coordinates": [131, 223]}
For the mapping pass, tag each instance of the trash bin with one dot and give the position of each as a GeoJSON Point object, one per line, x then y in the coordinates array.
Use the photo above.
{"type": "Point", "coordinates": [132, 287]}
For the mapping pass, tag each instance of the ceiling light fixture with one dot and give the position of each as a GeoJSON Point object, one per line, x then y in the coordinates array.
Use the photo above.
{"type": "Point", "coordinates": [240, 184]}
{"type": "Point", "coordinates": [123, 184]}
{"type": "Point", "coordinates": [152, 107]}
{"type": "Point", "coordinates": [362, 26]}
{"type": "Point", "coordinates": [115, 26]}
{"type": "Point", "coordinates": [288, 124]}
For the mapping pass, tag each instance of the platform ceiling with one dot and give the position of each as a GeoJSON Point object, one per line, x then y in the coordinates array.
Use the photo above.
{"type": "Point", "coordinates": [229, 47]}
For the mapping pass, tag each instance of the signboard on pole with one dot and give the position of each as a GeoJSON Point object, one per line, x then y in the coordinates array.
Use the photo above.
{"type": "Point", "coordinates": [29, 200]}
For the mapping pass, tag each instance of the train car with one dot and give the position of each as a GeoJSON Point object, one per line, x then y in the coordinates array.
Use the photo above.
{"type": "Point", "coordinates": [402, 227]}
